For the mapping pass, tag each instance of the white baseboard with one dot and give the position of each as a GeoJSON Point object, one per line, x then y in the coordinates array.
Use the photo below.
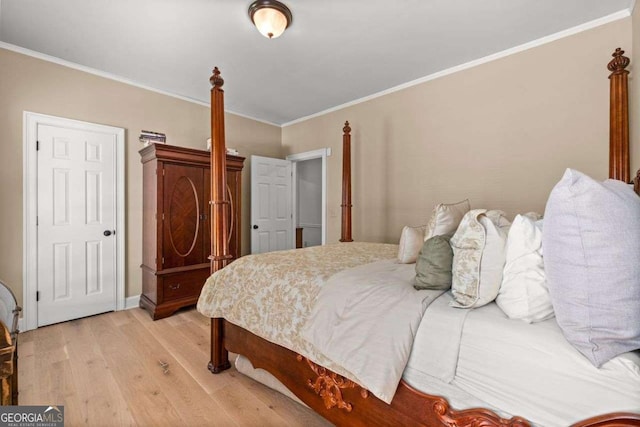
{"type": "Point", "coordinates": [132, 302]}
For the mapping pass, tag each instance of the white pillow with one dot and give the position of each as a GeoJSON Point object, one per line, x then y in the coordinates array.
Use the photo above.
{"type": "Point", "coordinates": [592, 260]}
{"type": "Point", "coordinates": [478, 257]}
{"type": "Point", "coordinates": [446, 218]}
{"type": "Point", "coordinates": [524, 294]}
{"type": "Point", "coordinates": [411, 241]}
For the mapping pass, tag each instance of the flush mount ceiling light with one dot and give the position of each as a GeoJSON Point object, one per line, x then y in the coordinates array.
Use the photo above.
{"type": "Point", "coordinates": [270, 17]}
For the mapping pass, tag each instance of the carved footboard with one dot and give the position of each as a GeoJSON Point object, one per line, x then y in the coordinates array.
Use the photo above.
{"type": "Point", "coordinates": [345, 403]}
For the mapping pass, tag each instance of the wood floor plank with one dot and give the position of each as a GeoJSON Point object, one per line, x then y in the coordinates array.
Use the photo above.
{"type": "Point", "coordinates": [198, 336]}
{"type": "Point", "coordinates": [106, 370]}
{"type": "Point", "coordinates": [28, 391]}
{"type": "Point", "coordinates": [59, 380]}
{"type": "Point", "coordinates": [50, 349]}
{"type": "Point", "coordinates": [49, 340]}
{"type": "Point", "coordinates": [186, 353]}
{"type": "Point", "coordinates": [49, 380]}
{"type": "Point", "coordinates": [241, 404]}
{"type": "Point", "coordinates": [293, 413]}
{"type": "Point", "coordinates": [195, 316]}
{"type": "Point", "coordinates": [147, 402]}
{"type": "Point", "coordinates": [193, 403]}
{"type": "Point", "coordinates": [101, 397]}
{"type": "Point", "coordinates": [176, 320]}
{"type": "Point", "coordinates": [119, 318]}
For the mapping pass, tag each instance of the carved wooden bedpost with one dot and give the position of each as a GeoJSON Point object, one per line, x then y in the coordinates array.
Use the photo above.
{"type": "Point", "coordinates": [346, 184]}
{"type": "Point", "coordinates": [220, 255]}
{"type": "Point", "coordinates": [619, 118]}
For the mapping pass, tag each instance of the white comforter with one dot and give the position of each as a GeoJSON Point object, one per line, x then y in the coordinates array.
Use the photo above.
{"type": "Point", "coordinates": [476, 358]}
{"type": "Point", "coordinates": [365, 320]}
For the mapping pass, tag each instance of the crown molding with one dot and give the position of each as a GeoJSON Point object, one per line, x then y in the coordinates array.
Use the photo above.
{"type": "Point", "coordinates": [476, 62]}
{"type": "Point", "coordinates": [103, 74]}
{"type": "Point", "coordinates": [489, 58]}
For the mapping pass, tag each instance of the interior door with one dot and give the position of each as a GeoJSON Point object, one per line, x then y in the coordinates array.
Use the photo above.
{"type": "Point", "coordinates": [76, 223]}
{"type": "Point", "coordinates": [271, 206]}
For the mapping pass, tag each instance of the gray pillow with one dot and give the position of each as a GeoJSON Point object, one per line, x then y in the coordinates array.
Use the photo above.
{"type": "Point", "coordinates": [433, 266]}
{"type": "Point", "coordinates": [591, 247]}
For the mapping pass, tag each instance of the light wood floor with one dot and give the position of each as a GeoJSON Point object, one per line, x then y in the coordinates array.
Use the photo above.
{"type": "Point", "coordinates": [122, 368]}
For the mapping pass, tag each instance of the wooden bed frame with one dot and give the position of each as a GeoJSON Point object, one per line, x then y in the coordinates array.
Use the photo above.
{"type": "Point", "coordinates": [336, 398]}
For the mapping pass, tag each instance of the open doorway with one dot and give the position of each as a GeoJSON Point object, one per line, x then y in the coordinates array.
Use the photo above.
{"type": "Point", "coordinates": [309, 172]}
{"type": "Point", "coordinates": [308, 203]}
{"type": "Point", "coordinates": [289, 201]}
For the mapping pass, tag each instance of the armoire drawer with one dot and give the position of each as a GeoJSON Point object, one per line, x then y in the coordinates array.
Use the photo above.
{"type": "Point", "coordinates": [184, 285]}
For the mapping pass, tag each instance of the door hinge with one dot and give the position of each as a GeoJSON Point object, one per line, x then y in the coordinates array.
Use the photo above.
{"type": "Point", "coordinates": [37, 221]}
{"type": "Point", "coordinates": [37, 145]}
{"type": "Point", "coordinates": [162, 260]}
{"type": "Point", "coordinates": [163, 216]}
{"type": "Point", "coordinates": [37, 295]}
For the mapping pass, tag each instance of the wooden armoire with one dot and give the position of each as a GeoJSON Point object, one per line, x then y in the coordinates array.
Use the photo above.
{"type": "Point", "coordinates": [176, 228]}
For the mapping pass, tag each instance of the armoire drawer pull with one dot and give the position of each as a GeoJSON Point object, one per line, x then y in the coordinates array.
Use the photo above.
{"type": "Point", "coordinates": [174, 287]}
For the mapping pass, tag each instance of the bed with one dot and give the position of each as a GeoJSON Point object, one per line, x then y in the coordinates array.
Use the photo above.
{"type": "Point", "coordinates": [270, 338]}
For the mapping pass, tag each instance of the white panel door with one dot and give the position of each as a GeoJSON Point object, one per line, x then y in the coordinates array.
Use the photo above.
{"type": "Point", "coordinates": [76, 223]}
{"type": "Point", "coordinates": [271, 206]}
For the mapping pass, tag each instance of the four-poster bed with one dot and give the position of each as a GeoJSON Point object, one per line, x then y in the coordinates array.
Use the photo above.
{"type": "Point", "coordinates": [335, 397]}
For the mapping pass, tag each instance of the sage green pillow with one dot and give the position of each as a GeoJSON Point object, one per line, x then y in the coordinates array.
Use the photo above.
{"type": "Point", "coordinates": [433, 266]}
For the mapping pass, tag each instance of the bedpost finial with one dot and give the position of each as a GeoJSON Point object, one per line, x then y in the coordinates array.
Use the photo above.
{"type": "Point", "coordinates": [346, 128]}
{"type": "Point", "coordinates": [619, 62]}
{"type": "Point", "coordinates": [216, 80]}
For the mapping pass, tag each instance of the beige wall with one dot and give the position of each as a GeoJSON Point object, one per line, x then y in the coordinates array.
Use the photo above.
{"type": "Point", "coordinates": [29, 84]}
{"type": "Point", "coordinates": [633, 51]}
{"type": "Point", "coordinates": [500, 134]}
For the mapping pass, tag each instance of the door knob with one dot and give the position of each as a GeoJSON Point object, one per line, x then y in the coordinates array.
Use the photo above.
{"type": "Point", "coordinates": [255, 227]}
{"type": "Point", "coordinates": [109, 232]}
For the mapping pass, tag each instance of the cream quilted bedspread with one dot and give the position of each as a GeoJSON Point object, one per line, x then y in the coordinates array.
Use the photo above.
{"type": "Point", "coordinates": [272, 294]}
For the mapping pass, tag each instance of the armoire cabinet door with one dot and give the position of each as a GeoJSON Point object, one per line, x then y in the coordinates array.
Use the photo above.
{"type": "Point", "coordinates": [235, 214]}
{"type": "Point", "coordinates": [233, 195]}
{"type": "Point", "coordinates": [183, 225]}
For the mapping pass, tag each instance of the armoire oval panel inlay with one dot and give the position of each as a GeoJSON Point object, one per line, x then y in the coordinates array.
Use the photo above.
{"type": "Point", "coordinates": [184, 216]}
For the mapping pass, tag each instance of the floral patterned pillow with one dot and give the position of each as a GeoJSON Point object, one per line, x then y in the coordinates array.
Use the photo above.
{"type": "Point", "coordinates": [478, 257]}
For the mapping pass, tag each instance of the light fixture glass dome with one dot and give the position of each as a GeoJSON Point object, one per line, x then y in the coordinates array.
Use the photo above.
{"type": "Point", "coordinates": [270, 17]}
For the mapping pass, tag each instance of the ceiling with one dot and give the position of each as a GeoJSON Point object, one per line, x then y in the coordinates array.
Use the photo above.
{"type": "Point", "coordinates": [335, 51]}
